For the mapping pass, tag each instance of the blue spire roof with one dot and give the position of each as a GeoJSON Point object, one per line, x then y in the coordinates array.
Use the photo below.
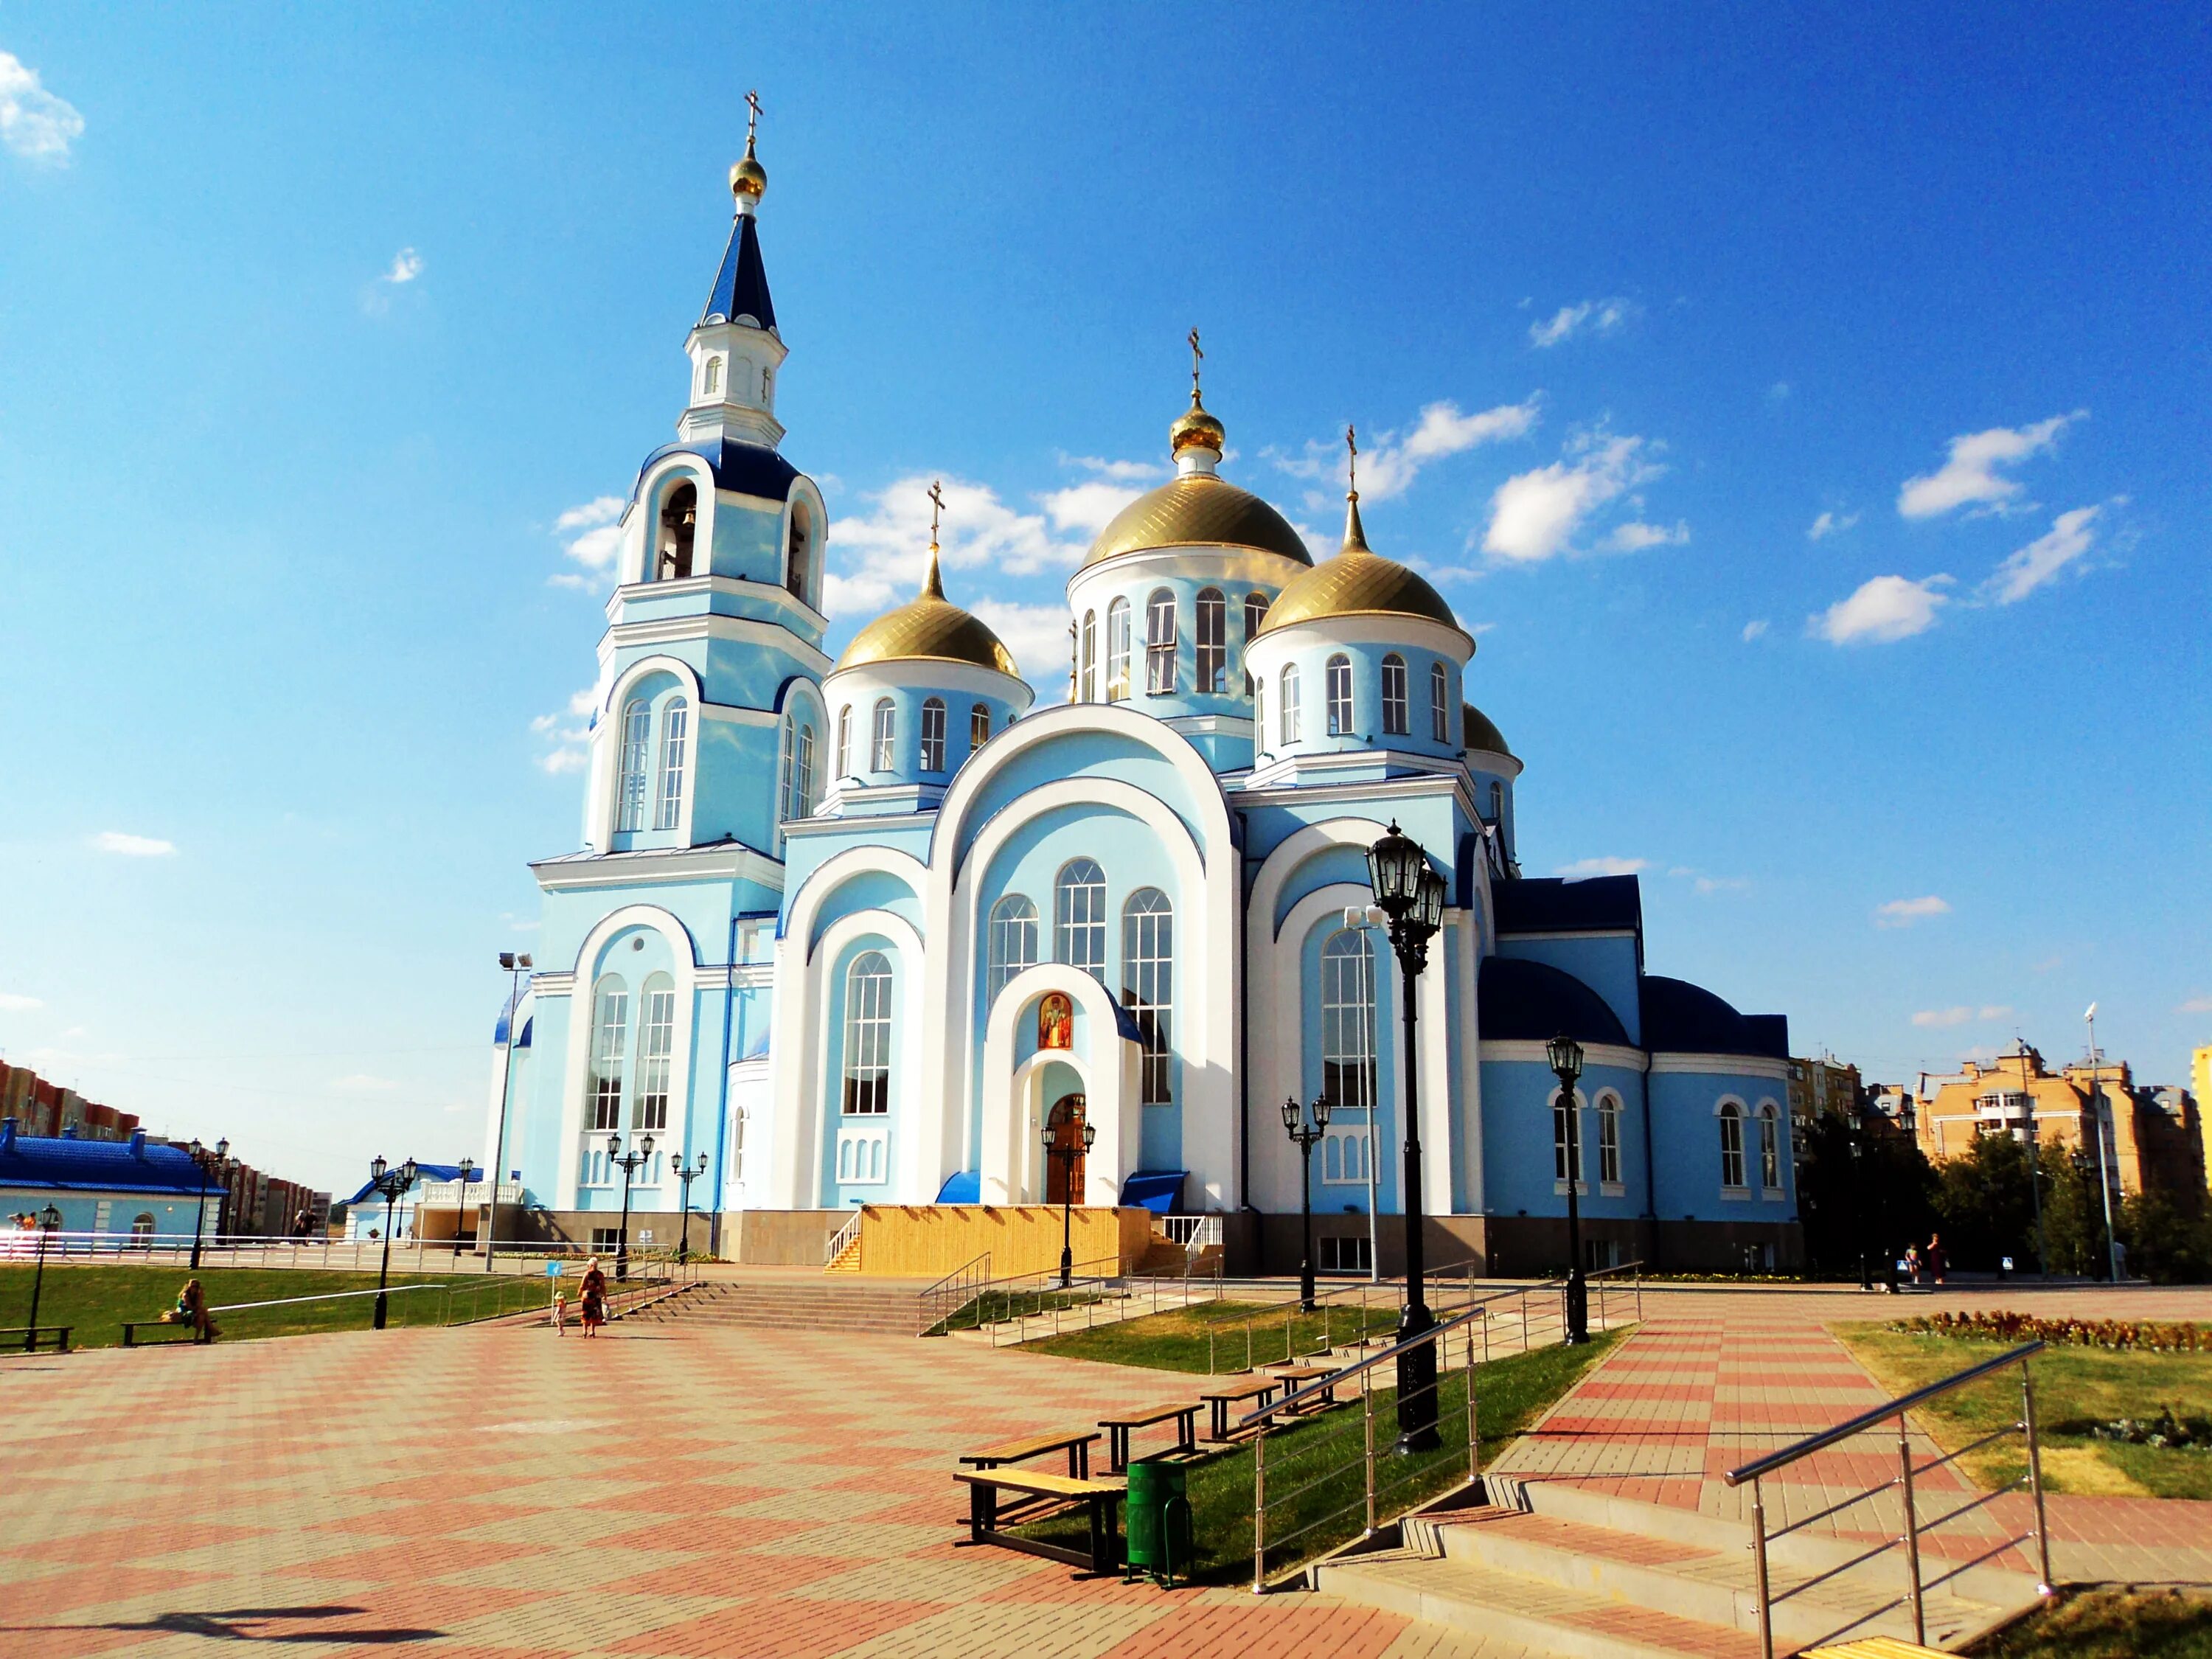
{"type": "Point", "coordinates": [741, 285]}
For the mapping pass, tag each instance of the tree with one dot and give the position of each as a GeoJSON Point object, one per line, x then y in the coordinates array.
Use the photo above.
{"type": "Point", "coordinates": [2168, 1236]}
{"type": "Point", "coordinates": [1987, 1205]}
{"type": "Point", "coordinates": [1860, 1192]}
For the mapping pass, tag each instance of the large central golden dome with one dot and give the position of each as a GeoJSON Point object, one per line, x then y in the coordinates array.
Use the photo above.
{"type": "Point", "coordinates": [928, 628]}
{"type": "Point", "coordinates": [1198, 510]}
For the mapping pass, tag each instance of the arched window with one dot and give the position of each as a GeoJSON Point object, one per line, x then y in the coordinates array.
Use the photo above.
{"type": "Point", "coordinates": [1397, 720]}
{"type": "Point", "coordinates": [1562, 1161]}
{"type": "Point", "coordinates": [1013, 943]}
{"type": "Point", "coordinates": [1288, 696]}
{"type": "Point", "coordinates": [932, 734]}
{"type": "Point", "coordinates": [1497, 802]}
{"type": "Point", "coordinates": [787, 775]}
{"type": "Point", "coordinates": [1732, 1146]}
{"type": "Point", "coordinates": [656, 1045]}
{"type": "Point", "coordinates": [845, 741]}
{"type": "Point", "coordinates": [141, 1227]}
{"type": "Point", "coordinates": [1078, 916]}
{"type": "Point", "coordinates": [799, 565]}
{"type": "Point", "coordinates": [884, 742]}
{"type": "Point", "coordinates": [714, 386]}
{"type": "Point", "coordinates": [1439, 703]}
{"type": "Point", "coordinates": [1348, 1021]}
{"type": "Point", "coordinates": [1087, 687]}
{"type": "Point", "coordinates": [1117, 651]}
{"type": "Point", "coordinates": [1212, 638]}
{"type": "Point", "coordinates": [679, 523]}
{"type": "Point", "coordinates": [1770, 1150]}
{"type": "Point", "coordinates": [979, 727]}
{"type": "Point", "coordinates": [804, 801]}
{"type": "Point", "coordinates": [1608, 1140]}
{"type": "Point", "coordinates": [1148, 986]}
{"type": "Point", "coordinates": [1337, 691]}
{"type": "Point", "coordinates": [609, 1040]}
{"type": "Point", "coordinates": [675, 738]}
{"type": "Point", "coordinates": [868, 1034]}
{"type": "Point", "coordinates": [1259, 692]}
{"type": "Point", "coordinates": [636, 750]}
{"type": "Point", "coordinates": [1160, 643]}
{"type": "Point", "coordinates": [1255, 612]}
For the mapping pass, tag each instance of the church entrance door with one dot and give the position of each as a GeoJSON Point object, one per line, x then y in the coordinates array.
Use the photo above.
{"type": "Point", "coordinates": [1063, 1164]}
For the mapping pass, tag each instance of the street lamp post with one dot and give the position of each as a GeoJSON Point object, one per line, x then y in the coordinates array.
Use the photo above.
{"type": "Point", "coordinates": [1303, 1138]}
{"type": "Point", "coordinates": [1858, 1211]}
{"type": "Point", "coordinates": [1412, 895]}
{"type": "Point", "coordinates": [517, 963]}
{"type": "Point", "coordinates": [1085, 1133]}
{"type": "Point", "coordinates": [1567, 1056]}
{"type": "Point", "coordinates": [628, 1163]}
{"type": "Point", "coordinates": [2097, 1117]}
{"type": "Point", "coordinates": [207, 1165]}
{"type": "Point", "coordinates": [687, 1176]}
{"type": "Point", "coordinates": [50, 1220]}
{"type": "Point", "coordinates": [389, 1184]}
{"type": "Point", "coordinates": [466, 1170]}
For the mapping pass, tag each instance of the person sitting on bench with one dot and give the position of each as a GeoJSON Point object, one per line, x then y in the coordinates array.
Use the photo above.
{"type": "Point", "coordinates": [192, 1309]}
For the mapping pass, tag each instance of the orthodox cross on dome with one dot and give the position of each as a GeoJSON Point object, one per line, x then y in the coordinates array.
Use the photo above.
{"type": "Point", "coordinates": [932, 586]}
{"type": "Point", "coordinates": [752, 117]}
{"type": "Point", "coordinates": [1351, 460]}
{"type": "Point", "coordinates": [1197, 357]}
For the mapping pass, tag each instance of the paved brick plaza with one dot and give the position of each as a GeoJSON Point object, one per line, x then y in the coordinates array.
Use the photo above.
{"type": "Point", "coordinates": [674, 1491]}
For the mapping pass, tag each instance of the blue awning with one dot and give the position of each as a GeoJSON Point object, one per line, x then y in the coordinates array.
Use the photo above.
{"type": "Point", "coordinates": [962, 1186]}
{"type": "Point", "coordinates": [1156, 1190]}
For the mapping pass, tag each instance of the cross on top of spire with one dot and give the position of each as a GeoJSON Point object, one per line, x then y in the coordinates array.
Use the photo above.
{"type": "Point", "coordinates": [936, 507]}
{"type": "Point", "coordinates": [1351, 460]}
{"type": "Point", "coordinates": [1197, 357]}
{"type": "Point", "coordinates": [752, 117]}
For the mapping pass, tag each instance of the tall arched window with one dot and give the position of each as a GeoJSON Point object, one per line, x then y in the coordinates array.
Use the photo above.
{"type": "Point", "coordinates": [636, 759]}
{"type": "Point", "coordinates": [1732, 1146]}
{"type": "Point", "coordinates": [1212, 638]}
{"type": "Point", "coordinates": [799, 564]}
{"type": "Point", "coordinates": [1497, 802]}
{"type": "Point", "coordinates": [1561, 1161]}
{"type": "Point", "coordinates": [1160, 643]}
{"type": "Point", "coordinates": [804, 801]}
{"type": "Point", "coordinates": [845, 741]}
{"type": "Point", "coordinates": [1337, 691]}
{"type": "Point", "coordinates": [1255, 612]}
{"type": "Point", "coordinates": [675, 738]}
{"type": "Point", "coordinates": [1259, 693]}
{"type": "Point", "coordinates": [787, 774]}
{"type": "Point", "coordinates": [656, 1046]}
{"type": "Point", "coordinates": [1148, 986]}
{"type": "Point", "coordinates": [1439, 703]}
{"type": "Point", "coordinates": [979, 727]}
{"type": "Point", "coordinates": [1087, 686]}
{"type": "Point", "coordinates": [1608, 1140]}
{"type": "Point", "coordinates": [679, 523]}
{"type": "Point", "coordinates": [932, 734]}
{"type": "Point", "coordinates": [1348, 1021]}
{"type": "Point", "coordinates": [1117, 651]}
{"type": "Point", "coordinates": [714, 386]}
{"type": "Point", "coordinates": [1013, 943]}
{"type": "Point", "coordinates": [1288, 696]}
{"type": "Point", "coordinates": [868, 1034]}
{"type": "Point", "coordinates": [1397, 719]}
{"type": "Point", "coordinates": [1770, 1150]}
{"type": "Point", "coordinates": [1078, 916]}
{"type": "Point", "coordinates": [884, 741]}
{"type": "Point", "coordinates": [610, 1042]}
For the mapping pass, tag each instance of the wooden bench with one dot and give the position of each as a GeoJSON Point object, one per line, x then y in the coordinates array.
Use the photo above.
{"type": "Point", "coordinates": [1293, 1377]}
{"type": "Point", "coordinates": [33, 1335]}
{"type": "Point", "coordinates": [174, 1333]}
{"type": "Point", "coordinates": [987, 1521]}
{"type": "Point", "coordinates": [1220, 1398]}
{"type": "Point", "coordinates": [1076, 1442]}
{"type": "Point", "coordinates": [1117, 1433]}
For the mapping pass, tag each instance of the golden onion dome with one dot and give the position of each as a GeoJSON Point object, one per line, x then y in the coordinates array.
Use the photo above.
{"type": "Point", "coordinates": [1358, 582]}
{"type": "Point", "coordinates": [928, 629]}
{"type": "Point", "coordinates": [749, 179]}
{"type": "Point", "coordinates": [1479, 733]}
{"type": "Point", "coordinates": [1194, 428]}
{"type": "Point", "coordinates": [1198, 510]}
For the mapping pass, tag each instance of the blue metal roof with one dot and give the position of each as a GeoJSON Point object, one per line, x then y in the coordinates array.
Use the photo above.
{"type": "Point", "coordinates": [741, 468]}
{"type": "Point", "coordinates": [66, 1164]}
{"type": "Point", "coordinates": [1680, 1017]}
{"type": "Point", "coordinates": [962, 1186]}
{"type": "Point", "coordinates": [1518, 1000]}
{"type": "Point", "coordinates": [1156, 1190]}
{"type": "Point", "coordinates": [741, 285]}
{"type": "Point", "coordinates": [1547, 904]}
{"type": "Point", "coordinates": [426, 1172]}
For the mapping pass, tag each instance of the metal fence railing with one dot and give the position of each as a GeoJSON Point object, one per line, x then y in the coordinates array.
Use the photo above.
{"type": "Point", "coordinates": [523, 1257]}
{"type": "Point", "coordinates": [1908, 1471]}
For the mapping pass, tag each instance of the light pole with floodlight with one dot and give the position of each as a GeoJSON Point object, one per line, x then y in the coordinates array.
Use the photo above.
{"type": "Point", "coordinates": [517, 963]}
{"type": "Point", "coordinates": [208, 1164]}
{"type": "Point", "coordinates": [1303, 1138]}
{"type": "Point", "coordinates": [1567, 1056]}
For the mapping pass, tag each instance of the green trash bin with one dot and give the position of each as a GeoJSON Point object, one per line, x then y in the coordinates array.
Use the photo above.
{"type": "Point", "coordinates": [1156, 1516]}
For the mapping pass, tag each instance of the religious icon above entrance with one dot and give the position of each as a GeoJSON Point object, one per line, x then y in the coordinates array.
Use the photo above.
{"type": "Point", "coordinates": [1055, 1022]}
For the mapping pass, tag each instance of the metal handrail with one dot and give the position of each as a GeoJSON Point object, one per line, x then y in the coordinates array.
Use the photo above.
{"type": "Point", "coordinates": [956, 1286]}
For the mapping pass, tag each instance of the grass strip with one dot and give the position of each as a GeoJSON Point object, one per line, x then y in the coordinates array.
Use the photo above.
{"type": "Point", "coordinates": [2116, 1622]}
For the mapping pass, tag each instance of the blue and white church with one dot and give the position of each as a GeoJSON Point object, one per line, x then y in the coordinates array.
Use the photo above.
{"type": "Point", "coordinates": [856, 930]}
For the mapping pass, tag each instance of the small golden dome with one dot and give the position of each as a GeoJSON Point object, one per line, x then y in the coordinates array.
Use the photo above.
{"type": "Point", "coordinates": [1194, 428]}
{"type": "Point", "coordinates": [1358, 582]}
{"type": "Point", "coordinates": [928, 629]}
{"type": "Point", "coordinates": [1478, 732]}
{"type": "Point", "coordinates": [749, 179]}
{"type": "Point", "coordinates": [1198, 510]}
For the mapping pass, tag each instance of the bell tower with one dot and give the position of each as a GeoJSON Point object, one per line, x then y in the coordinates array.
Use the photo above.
{"type": "Point", "coordinates": [736, 353]}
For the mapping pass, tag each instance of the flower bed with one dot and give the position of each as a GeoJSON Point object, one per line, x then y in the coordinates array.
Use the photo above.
{"type": "Point", "coordinates": [2149, 1335]}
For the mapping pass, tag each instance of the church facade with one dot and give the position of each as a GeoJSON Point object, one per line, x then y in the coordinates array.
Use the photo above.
{"type": "Point", "coordinates": [862, 931]}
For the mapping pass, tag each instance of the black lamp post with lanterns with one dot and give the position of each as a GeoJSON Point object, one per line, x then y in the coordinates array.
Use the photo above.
{"type": "Point", "coordinates": [1566, 1057]}
{"type": "Point", "coordinates": [210, 1162]}
{"type": "Point", "coordinates": [687, 1173]}
{"type": "Point", "coordinates": [630, 1164]}
{"type": "Point", "coordinates": [1412, 895]}
{"type": "Point", "coordinates": [388, 1184]}
{"type": "Point", "coordinates": [1303, 1138]}
{"type": "Point", "coordinates": [50, 1221]}
{"type": "Point", "coordinates": [462, 1175]}
{"type": "Point", "coordinates": [1084, 1134]}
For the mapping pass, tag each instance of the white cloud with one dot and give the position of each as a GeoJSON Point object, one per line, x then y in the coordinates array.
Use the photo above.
{"type": "Point", "coordinates": [13, 1002]}
{"type": "Point", "coordinates": [1603, 316]}
{"type": "Point", "coordinates": [571, 751]}
{"type": "Point", "coordinates": [132, 847]}
{"type": "Point", "coordinates": [1392, 459]}
{"type": "Point", "coordinates": [564, 760]}
{"type": "Point", "coordinates": [1940, 1018]}
{"type": "Point", "coordinates": [1088, 506]}
{"type": "Point", "coordinates": [1601, 866]}
{"type": "Point", "coordinates": [1119, 471]}
{"type": "Point", "coordinates": [1754, 630]}
{"type": "Point", "coordinates": [600, 509]}
{"type": "Point", "coordinates": [1706, 886]}
{"type": "Point", "coordinates": [1778, 392]}
{"type": "Point", "coordinates": [406, 266]}
{"type": "Point", "coordinates": [1881, 610]}
{"type": "Point", "coordinates": [1037, 635]}
{"type": "Point", "coordinates": [34, 122]}
{"type": "Point", "coordinates": [1969, 474]}
{"type": "Point", "coordinates": [877, 558]}
{"type": "Point", "coordinates": [1635, 536]}
{"type": "Point", "coordinates": [1534, 515]}
{"type": "Point", "coordinates": [2198, 1004]}
{"type": "Point", "coordinates": [1903, 913]}
{"type": "Point", "coordinates": [360, 1083]}
{"type": "Point", "coordinates": [2070, 536]}
{"type": "Point", "coordinates": [1829, 525]}
{"type": "Point", "coordinates": [593, 533]}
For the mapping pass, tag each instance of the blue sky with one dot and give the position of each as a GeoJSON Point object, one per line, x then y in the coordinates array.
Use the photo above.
{"type": "Point", "coordinates": [1809, 412]}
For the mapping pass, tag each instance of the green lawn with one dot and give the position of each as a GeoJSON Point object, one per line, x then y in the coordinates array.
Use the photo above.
{"type": "Point", "coordinates": [96, 1300]}
{"type": "Point", "coordinates": [1316, 1471]}
{"type": "Point", "coordinates": [2110, 1624]}
{"type": "Point", "coordinates": [1242, 1334]}
{"type": "Point", "coordinates": [2074, 1389]}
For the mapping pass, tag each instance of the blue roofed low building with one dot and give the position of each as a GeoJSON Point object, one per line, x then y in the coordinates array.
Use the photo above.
{"type": "Point", "coordinates": [134, 1189]}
